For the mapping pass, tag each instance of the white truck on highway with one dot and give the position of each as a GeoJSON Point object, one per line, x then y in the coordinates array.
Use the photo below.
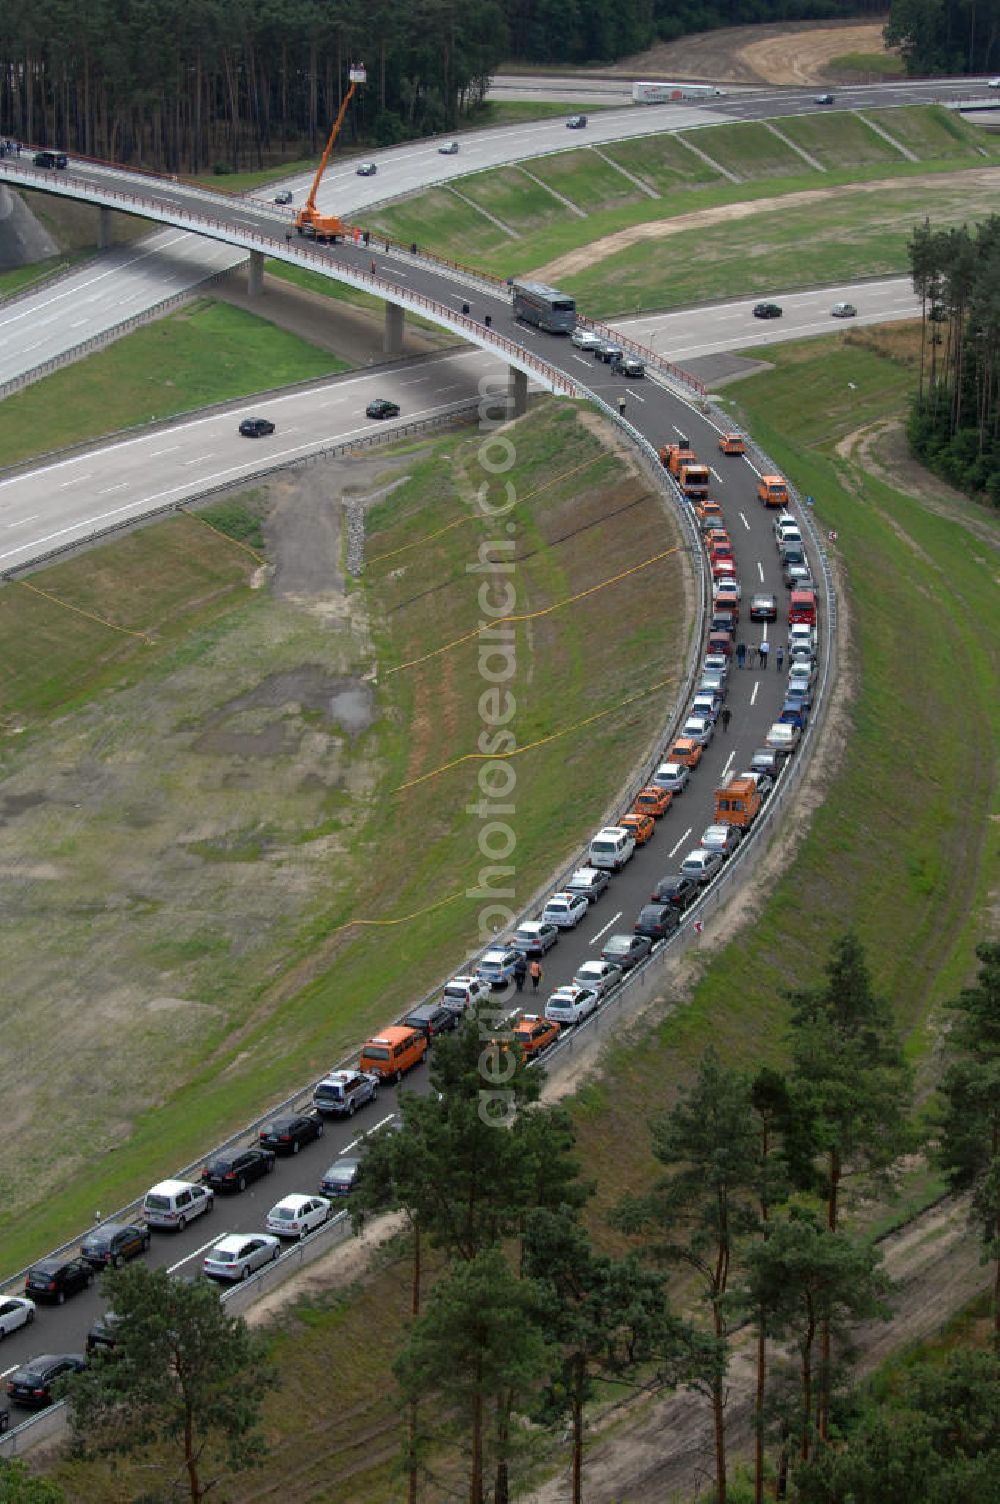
{"type": "Point", "coordinates": [665, 93]}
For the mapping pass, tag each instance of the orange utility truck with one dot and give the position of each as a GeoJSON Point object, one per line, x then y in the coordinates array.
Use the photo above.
{"type": "Point", "coordinates": [737, 802]}
{"type": "Point", "coordinates": [772, 490]}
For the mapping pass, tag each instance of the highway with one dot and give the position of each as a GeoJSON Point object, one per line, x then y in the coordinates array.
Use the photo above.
{"type": "Point", "coordinates": [754, 699]}
{"type": "Point", "coordinates": [92, 300]}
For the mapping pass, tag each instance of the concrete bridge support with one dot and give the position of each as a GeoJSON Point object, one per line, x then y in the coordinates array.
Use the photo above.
{"type": "Point", "coordinates": [255, 274]}
{"type": "Point", "coordinates": [104, 229]}
{"type": "Point", "coordinates": [392, 339]}
{"type": "Point", "coordinates": [517, 392]}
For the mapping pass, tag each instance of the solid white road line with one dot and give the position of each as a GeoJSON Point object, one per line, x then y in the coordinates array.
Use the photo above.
{"type": "Point", "coordinates": [189, 1256]}
{"type": "Point", "coordinates": [677, 846]}
{"type": "Point", "coordinates": [606, 928]}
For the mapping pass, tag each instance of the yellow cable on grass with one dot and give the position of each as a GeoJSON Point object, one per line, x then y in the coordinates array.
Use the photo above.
{"type": "Point", "coordinates": [531, 746]}
{"type": "Point", "coordinates": [533, 615]}
{"type": "Point", "coordinates": [471, 516]}
{"type": "Point", "coordinates": [220, 534]}
{"type": "Point", "coordinates": [102, 621]}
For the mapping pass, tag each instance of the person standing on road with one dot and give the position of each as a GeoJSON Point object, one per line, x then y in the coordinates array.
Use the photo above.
{"type": "Point", "coordinates": [621, 407]}
{"type": "Point", "coordinates": [763, 654]}
{"type": "Point", "coordinates": [535, 972]}
{"type": "Point", "coordinates": [779, 657]}
{"type": "Point", "coordinates": [741, 654]}
{"type": "Point", "coordinates": [726, 717]}
{"type": "Point", "coordinates": [751, 655]}
{"type": "Point", "coordinates": [520, 972]}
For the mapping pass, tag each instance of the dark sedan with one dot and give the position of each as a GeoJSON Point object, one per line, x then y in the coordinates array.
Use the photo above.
{"type": "Point", "coordinates": [677, 889]}
{"type": "Point", "coordinates": [256, 428]}
{"type": "Point", "coordinates": [32, 1384]}
{"type": "Point", "coordinates": [766, 311]}
{"type": "Point", "coordinates": [109, 1246]}
{"type": "Point", "coordinates": [235, 1170]}
{"type": "Point", "coordinates": [764, 608]}
{"type": "Point", "coordinates": [340, 1177]}
{"type": "Point", "coordinates": [658, 920]}
{"type": "Point", "coordinates": [626, 951]}
{"type": "Point", "coordinates": [381, 407]}
{"type": "Point", "coordinates": [287, 1134]}
{"type": "Point", "coordinates": [55, 1278]}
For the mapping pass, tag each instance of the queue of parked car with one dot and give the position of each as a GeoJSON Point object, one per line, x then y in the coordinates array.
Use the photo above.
{"type": "Point", "coordinates": [172, 1204]}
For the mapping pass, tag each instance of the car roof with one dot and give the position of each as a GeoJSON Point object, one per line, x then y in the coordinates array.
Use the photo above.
{"type": "Point", "coordinates": [295, 1198]}
{"type": "Point", "coordinates": [170, 1187]}
{"type": "Point", "coordinates": [232, 1241]}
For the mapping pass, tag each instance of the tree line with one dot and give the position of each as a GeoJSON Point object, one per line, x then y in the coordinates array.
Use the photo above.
{"type": "Point", "coordinates": [945, 36]}
{"type": "Point", "coordinates": [519, 1322]}
{"type": "Point", "coordinates": [954, 423]}
{"type": "Point", "coordinates": [185, 85]}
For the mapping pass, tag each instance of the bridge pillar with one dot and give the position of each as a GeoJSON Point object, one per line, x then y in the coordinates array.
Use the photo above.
{"type": "Point", "coordinates": [104, 229]}
{"type": "Point", "coordinates": [517, 393]}
{"type": "Point", "coordinates": [255, 274]}
{"type": "Point", "coordinates": [392, 339]}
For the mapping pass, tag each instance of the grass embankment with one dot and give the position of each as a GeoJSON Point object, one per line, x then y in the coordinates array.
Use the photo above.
{"type": "Point", "coordinates": [703, 262]}
{"type": "Point", "coordinates": [868, 66]}
{"type": "Point", "coordinates": [24, 276]}
{"type": "Point", "coordinates": [193, 836]}
{"type": "Point", "coordinates": [898, 847]}
{"type": "Point", "coordinates": [205, 352]}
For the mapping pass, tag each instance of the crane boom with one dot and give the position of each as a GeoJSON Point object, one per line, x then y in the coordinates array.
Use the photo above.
{"type": "Point", "coordinates": [309, 220]}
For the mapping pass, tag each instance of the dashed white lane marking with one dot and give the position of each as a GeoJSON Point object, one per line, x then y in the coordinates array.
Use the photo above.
{"type": "Point", "coordinates": [753, 693]}
{"type": "Point", "coordinates": [189, 1256]}
{"type": "Point", "coordinates": [678, 844]}
{"type": "Point", "coordinates": [606, 928]}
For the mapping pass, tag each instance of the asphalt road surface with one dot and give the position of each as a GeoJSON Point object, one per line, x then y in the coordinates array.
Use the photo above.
{"type": "Point", "coordinates": [754, 699]}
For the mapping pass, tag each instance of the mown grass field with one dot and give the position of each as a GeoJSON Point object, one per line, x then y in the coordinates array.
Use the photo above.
{"type": "Point", "coordinates": [154, 787]}
{"type": "Point", "coordinates": [205, 352]}
{"type": "Point", "coordinates": [849, 150]}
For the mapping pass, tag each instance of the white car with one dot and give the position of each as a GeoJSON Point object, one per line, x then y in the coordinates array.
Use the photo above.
{"type": "Point", "coordinates": [565, 910]}
{"type": "Point", "coordinates": [722, 838]}
{"type": "Point", "coordinates": [295, 1216]}
{"type": "Point", "coordinates": [701, 864]}
{"type": "Point", "coordinates": [600, 975]}
{"type": "Point", "coordinates": [239, 1254]}
{"type": "Point", "coordinates": [672, 776]}
{"type": "Point", "coordinates": [698, 729]}
{"type": "Point", "coordinates": [801, 632]}
{"type": "Point", "coordinates": [707, 705]}
{"type": "Point", "coordinates": [591, 882]}
{"type": "Point", "coordinates": [716, 663]}
{"type": "Point", "coordinates": [843, 311]}
{"type": "Point", "coordinates": [570, 1004]}
{"type": "Point", "coordinates": [464, 992]}
{"type": "Point", "coordinates": [803, 673]}
{"type": "Point", "coordinates": [994, 83]}
{"type": "Point", "coordinates": [585, 339]}
{"type": "Point", "coordinates": [448, 149]}
{"type": "Point", "coordinates": [723, 588]}
{"type": "Point", "coordinates": [15, 1311]}
{"type": "Point", "coordinates": [783, 736]}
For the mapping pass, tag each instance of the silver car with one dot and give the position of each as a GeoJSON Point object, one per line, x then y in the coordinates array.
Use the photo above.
{"type": "Point", "coordinates": [585, 339]}
{"type": "Point", "coordinates": [565, 910]}
{"type": "Point", "coordinates": [600, 975]}
{"type": "Point", "coordinates": [699, 729]}
{"type": "Point", "coordinates": [701, 864]}
{"type": "Point", "coordinates": [722, 838]}
{"type": "Point", "coordinates": [571, 1004]}
{"type": "Point", "coordinates": [672, 776]}
{"type": "Point", "coordinates": [590, 882]}
{"type": "Point", "coordinates": [239, 1255]}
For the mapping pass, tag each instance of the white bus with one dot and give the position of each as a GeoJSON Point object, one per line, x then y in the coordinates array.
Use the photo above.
{"type": "Point", "coordinates": [667, 93]}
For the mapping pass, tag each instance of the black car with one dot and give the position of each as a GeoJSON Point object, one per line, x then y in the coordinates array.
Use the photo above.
{"type": "Point", "coordinates": [823, 99]}
{"type": "Point", "coordinates": [115, 1242]}
{"type": "Point", "coordinates": [607, 351]}
{"type": "Point", "coordinates": [626, 951]}
{"type": "Point", "coordinates": [50, 159]}
{"type": "Point", "coordinates": [287, 1134]}
{"type": "Point", "coordinates": [284, 197]}
{"type": "Point", "coordinates": [256, 428]}
{"type": "Point", "coordinates": [677, 888]}
{"type": "Point", "coordinates": [340, 1177]}
{"type": "Point", "coordinates": [431, 1019]}
{"type": "Point", "coordinates": [766, 311]}
{"type": "Point", "coordinates": [57, 1277]}
{"type": "Point", "coordinates": [32, 1384]}
{"type": "Point", "coordinates": [658, 920]}
{"type": "Point", "coordinates": [366, 170]}
{"type": "Point", "coordinates": [104, 1332]}
{"type": "Point", "coordinates": [764, 607]}
{"type": "Point", "coordinates": [382, 408]}
{"type": "Point", "coordinates": [576, 122]}
{"type": "Point", "coordinates": [235, 1170]}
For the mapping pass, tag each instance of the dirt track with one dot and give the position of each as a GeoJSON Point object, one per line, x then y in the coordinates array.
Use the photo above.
{"type": "Point", "coordinates": [795, 53]}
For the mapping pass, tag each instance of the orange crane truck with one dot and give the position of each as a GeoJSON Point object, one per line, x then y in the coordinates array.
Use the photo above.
{"type": "Point", "coordinates": [309, 221]}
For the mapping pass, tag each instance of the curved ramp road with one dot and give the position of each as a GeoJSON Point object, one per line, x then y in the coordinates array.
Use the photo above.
{"type": "Point", "coordinates": [754, 700]}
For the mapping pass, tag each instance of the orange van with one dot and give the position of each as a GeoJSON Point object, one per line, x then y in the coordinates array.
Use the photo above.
{"type": "Point", "coordinates": [732, 443]}
{"type": "Point", "coordinates": [737, 802]}
{"type": "Point", "coordinates": [686, 750]}
{"type": "Point", "coordinates": [394, 1051]}
{"type": "Point", "coordinates": [772, 490]}
{"type": "Point", "coordinates": [802, 607]}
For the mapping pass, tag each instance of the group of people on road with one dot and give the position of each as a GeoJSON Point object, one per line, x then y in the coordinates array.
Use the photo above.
{"type": "Point", "coordinates": [523, 969]}
{"type": "Point", "coordinates": [748, 656]}
{"type": "Point", "coordinates": [10, 148]}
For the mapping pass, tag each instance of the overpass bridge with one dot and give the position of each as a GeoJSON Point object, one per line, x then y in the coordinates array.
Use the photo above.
{"type": "Point", "coordinates": [470, 304]}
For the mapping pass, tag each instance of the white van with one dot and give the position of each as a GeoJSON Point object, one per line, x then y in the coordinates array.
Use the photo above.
{"type": "Point", "coordinates": [175, 1203]}
{"type": "Point", "coordinates": [611, 848]}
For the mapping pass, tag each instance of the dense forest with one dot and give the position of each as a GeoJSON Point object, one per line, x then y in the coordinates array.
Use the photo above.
{"type": "Point", "coordinates": [182, 85]}
{"type": "Point", "coordinates": [954, 425]}
{"type": "Point", "coordinates": [945, 36]}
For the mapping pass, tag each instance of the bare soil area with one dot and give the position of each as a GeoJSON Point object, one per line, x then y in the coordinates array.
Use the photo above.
{"type": "Point", "coordinates": [790, 53]}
